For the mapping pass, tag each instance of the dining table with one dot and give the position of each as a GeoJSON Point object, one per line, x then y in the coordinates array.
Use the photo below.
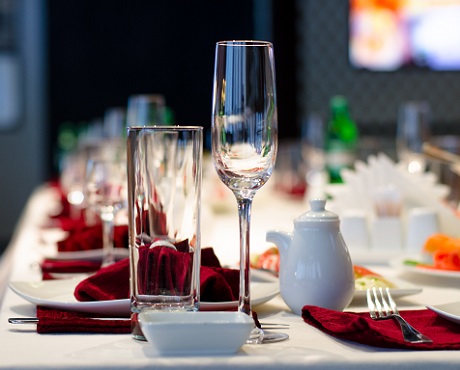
{"type": "Point", "coordinates": [307, 347]}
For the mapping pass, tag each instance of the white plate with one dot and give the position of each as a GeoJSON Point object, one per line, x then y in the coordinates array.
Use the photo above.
{"type": "Point", "coordinates": [175, 333]}
{"type": "Point", "coordinates": [90, 255]}
{"type": "Point", "coordinates": [399, 264]}
{"type": "Point", "coordinates": [402, 289]}
{"type": "Point", "coordinates": [449, 311]}
{"type": "Point", "coordinates": [60, 294]}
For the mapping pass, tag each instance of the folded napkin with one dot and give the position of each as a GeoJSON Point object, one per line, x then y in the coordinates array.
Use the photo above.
{"type": "Point", "coordinates": [217, 284]}
{"type": "Point", "coordinates": [65, 205]}
{"type": "Point", "coordinates": [83, 239]}
{"type": "Point", "coordinates": [67, 218]}
{"type": "Point", "coordinates": [66, 223]}
{"type": "Point", "coordinates": [86, 238]}
{"type": "Point", "coordinates": [51, 266]}
{"type": "Point", "coordinates": [359, 327]}
{"type": "Point", "coordinates": [59, 321]}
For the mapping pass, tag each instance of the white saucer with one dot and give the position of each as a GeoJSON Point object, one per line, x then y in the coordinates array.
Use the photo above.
{"type": "Point", "coordinates": [449, 311]}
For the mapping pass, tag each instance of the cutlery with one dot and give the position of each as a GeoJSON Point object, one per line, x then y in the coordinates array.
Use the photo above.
{"type": "Point", "coordinates": [442, 155]}
{"type": "Point", "coordinates": [273, 326]}
{"type": "Point", "coordinates": [384, 311]}
{"type": "Point", "coordinates": [35, 320]}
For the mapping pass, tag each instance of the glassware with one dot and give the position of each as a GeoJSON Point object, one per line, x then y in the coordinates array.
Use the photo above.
{"type": "Point", "coordinates": [146, 110]}
{"type": "Point", "coordinates": [341, 140]}
{"type": "Point", "coordinates": [114, 123]}
{"type": "Point", "coordinates": [313, 140]}
{"type": "Point", "coordinates": [413, 129]}
{"type": "Point", "coordinates": [106, 193]}
{"type": "Point", "coordinates": [244, 136]}
{"type": "Point", "coordinates": [164, 200]}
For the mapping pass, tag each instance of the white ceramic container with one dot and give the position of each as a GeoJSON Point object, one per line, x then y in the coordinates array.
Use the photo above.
{"type": "Point", "coordinates": [178, 333]}
{"type": "Point", "coordinates": [315, 265]}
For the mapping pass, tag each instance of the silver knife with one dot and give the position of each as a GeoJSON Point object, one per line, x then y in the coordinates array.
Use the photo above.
{"type": "Point", "coordinates": [34, 320]}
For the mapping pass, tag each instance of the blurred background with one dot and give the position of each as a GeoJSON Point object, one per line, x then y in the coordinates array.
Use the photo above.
{"type": "Point", "coordinates": [63, 63]}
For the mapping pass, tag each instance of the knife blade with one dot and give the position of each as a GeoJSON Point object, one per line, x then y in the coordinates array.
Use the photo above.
{"type": "Point", "coordinates": [34, 320]}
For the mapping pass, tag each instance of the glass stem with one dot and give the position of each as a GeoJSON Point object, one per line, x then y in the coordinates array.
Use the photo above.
{"type": "Point", "coordinates": [107, 240]}
{"type": "Point", "coordinates": [244, 304]}
{"type": "Point", "coordinates": [244, 213]}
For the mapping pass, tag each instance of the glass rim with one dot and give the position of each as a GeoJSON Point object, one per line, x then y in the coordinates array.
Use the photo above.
{"type": "Point", "coordinates": [165, 128]}
{"type": "Point", "coordinates": [146, 97]}
{"type": "Point", "coordinates": [244, 43]}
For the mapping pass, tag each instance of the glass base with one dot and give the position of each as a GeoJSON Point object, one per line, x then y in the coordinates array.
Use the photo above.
{"type": "Point", "coordinates": [272, 337]}
{"type": "Point", "coordinates": [256, 336]}
{"type": "Point", "coordinates": [136, 332]}
{"type": "Point", "coordinates": [259, 336]}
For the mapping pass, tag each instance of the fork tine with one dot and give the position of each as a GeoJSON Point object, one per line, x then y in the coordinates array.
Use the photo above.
{"type": "Point", "coordinates": [392, 302]}
{"type": "Point", "coordinates": [370, 304]}
{"type": "Point", "coordinates": [377, 303]}
{"type": "Point", "coordinates": [386, 307]}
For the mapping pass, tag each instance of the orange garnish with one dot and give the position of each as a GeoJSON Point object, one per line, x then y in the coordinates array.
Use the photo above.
{"type": "Point", "coordinates": [445, 251]}
{"type": "Point", "coordinates": [434, 242]}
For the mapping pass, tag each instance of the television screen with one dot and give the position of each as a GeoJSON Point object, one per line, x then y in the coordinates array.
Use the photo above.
{"type": "Point", "coordinates": [387, 35]}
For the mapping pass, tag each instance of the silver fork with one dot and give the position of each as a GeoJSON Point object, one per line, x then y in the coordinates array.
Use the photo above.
{"type": "Point", "coordinates": [379, 309]}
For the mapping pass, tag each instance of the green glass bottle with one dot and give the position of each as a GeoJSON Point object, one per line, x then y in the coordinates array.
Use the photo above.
{"type": "Point", "coordinates": [341, 139]}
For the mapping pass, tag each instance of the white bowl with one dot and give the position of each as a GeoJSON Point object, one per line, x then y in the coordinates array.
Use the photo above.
{"type": "Point", "coordinates": [195, 333]}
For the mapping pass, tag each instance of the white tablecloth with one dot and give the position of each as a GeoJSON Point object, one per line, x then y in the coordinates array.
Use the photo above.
{"type": "Point", "coordinates": [22, 347]}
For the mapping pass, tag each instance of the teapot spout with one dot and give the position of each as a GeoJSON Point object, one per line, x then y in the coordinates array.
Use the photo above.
{"type": "Point", "coordinates": [281, 239]}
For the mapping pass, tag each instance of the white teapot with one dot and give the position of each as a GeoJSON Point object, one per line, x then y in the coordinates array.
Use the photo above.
{"type": "Point", "coordinates": [315, 266]}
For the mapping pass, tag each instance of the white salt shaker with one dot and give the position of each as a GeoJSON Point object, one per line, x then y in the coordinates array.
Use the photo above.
{"type": "Point", "coordinates": [355, 230]}
{"type": "Point", "coordinates": [422, 222]}
{"type": "Point", "coordinates": [387, 234]}
{"type": "Point", "coordinates": [387, 230]}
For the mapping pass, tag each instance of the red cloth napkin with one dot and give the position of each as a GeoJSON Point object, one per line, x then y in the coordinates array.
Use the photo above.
{"type": "Point", "coordinates": [90, 237]}
{"type": "Point", "coordinates": [59, 321]}
{"type": "Point", "coordinates": [50, 266]}
{"type": "Point", "coordinates": [66, 223]}
{"type": "Point", "coordinates": [217, 284]}
{"type": "Point", "coordinates": [83, 239]}
{"type": "Point", "coordinates": [64, 219]}
{"type": "Point", "coordinates": [359, 327]}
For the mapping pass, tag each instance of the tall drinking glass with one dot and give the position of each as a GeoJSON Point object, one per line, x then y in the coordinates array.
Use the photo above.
{"type": "Point", "coordinates": [146, 110]}
{"type": "Point", "coordinates": [244, 136]}
{"type": "Point", "coordinates": [164, 200]}
{"type": "Point", "coordinates": [413, 129]}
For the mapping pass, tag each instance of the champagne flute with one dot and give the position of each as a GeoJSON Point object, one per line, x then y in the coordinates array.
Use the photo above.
{"type": "Point", "coordinates": [106, 194]}
{"type": "Point", "coordinates": [245, 138]}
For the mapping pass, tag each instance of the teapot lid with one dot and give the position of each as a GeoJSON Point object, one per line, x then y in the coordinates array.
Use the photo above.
{"type": "Point", "coordinates": [318, 213]}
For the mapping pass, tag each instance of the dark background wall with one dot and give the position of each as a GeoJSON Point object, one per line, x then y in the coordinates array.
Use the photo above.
{"type": "Point", "coordinates": [100, 52]}
{"type": "Point", "coordinates": [324, 70]}
{"type": "Point", "coordinates": [23, 144]}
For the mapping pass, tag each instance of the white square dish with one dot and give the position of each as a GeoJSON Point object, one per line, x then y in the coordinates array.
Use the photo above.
{"type": "Point", "coordinates": [195, 333]}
